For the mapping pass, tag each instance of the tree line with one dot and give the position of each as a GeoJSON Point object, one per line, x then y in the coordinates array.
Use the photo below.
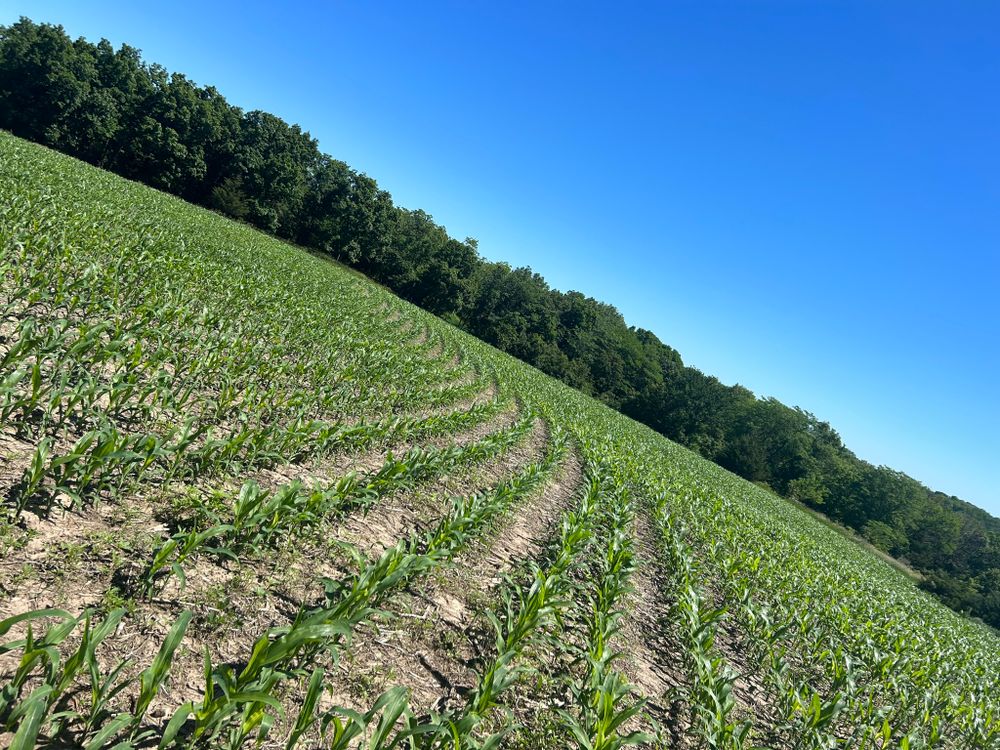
{"type": "Point", "coordinates": [110, 108]}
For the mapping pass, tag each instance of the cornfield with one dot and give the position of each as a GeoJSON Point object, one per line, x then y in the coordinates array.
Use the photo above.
{"type": "Point", "coordinates": [250, 499]}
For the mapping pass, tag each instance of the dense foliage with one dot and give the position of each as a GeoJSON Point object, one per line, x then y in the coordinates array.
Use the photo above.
{"type": "Point", "coordinates": [111, 109]}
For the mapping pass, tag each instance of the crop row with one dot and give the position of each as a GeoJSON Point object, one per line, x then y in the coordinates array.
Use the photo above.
{"type": "Point", "coordinates": [239, 704]}
{"type": "Point", "coordinates": [256, 517]}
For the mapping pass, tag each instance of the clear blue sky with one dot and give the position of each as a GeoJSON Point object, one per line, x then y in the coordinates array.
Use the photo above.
{"type": "Point", "coordinates": [802, 197]}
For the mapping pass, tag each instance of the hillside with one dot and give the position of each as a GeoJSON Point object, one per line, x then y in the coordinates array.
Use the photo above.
{"type": "Point", "coordinates": [252, 497]}
{"type": "Point", "coordinates": [111, 109]}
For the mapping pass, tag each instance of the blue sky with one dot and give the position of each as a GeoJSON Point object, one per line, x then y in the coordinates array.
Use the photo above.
{"type": "Point", "coordinates": [802, 197]}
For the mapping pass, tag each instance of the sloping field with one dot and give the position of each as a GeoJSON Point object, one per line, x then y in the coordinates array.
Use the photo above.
{"type": "Point", "coordinates": [252, 499]}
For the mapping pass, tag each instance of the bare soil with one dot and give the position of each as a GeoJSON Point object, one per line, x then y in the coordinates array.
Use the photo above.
{"type": "Point", "coordinates": [433, 642]}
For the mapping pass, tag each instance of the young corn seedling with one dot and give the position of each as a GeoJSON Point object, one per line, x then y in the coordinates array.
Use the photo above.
{"type": "Point", "coordinates": [151, 681]}
{"type": "Point", "coordinates": [307, 713]}
{"type": "Point", "coordinates": [247, 694]}
{"type": "Point", "coordinates": [344, 729]}
{"type": "Point", "coordinates": [175, 551]}
{"type": "Point", "coordinates": [85, 657]}
{"type": "Point", "coordinates": [36, 654]}
{"type": "Point", "coordinates": [32, 478]}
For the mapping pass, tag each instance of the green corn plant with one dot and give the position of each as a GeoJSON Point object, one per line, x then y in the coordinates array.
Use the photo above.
{"type": "Point", "coordinates": [150, 681]}
{"type": "Point", "coordinates": [33, 476]}
{"type": "Point", "coordinates": [607, 707]}
{"type": "Point", "coordinates": [307, 713]}
{"type": "Point", "coordinates": [524, 614]}
{"type": "Point", "coordinates": [58, 675]}
{"type": "Point", "coordinates": [29, 717]}
{"type": "Point", "coordinates": [173, 553]}
{"type": "Point", "coordinates": [248, 692]}
{"type": "Point", "coordinates": [36, 653]}
{"type": "Point", "coordinates": [85, 657]}
{"type": "Point", "coordinates": [11, 398]}
{"type": "Point", "coordinates": [342, 726]}
{"type": "Point", "coordinates": [104, 688]}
